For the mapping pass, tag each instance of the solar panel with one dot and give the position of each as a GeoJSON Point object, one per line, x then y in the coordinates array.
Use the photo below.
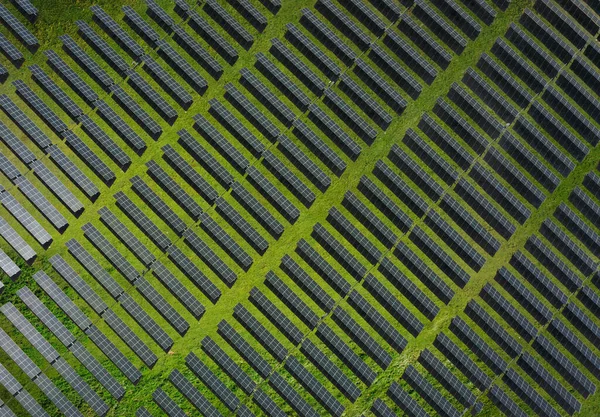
{"type": "Point", "coordinates": [212, 37]}
{"type": "Point", "coordinates": [528, 394]}
{"type": "Point", "coordinates": [39, 107]}
{"type": "Point", "coordinates": [282, 81]}
{"type": "Point", "coordinates": [504, 402]}
{"type": "Point", "coordinates": [383, 89]}
{"type": "Point", "coordinates": [416, 173]}
{"type": "Point", "coordinates": [567, 247]}
{"type": "Point", "coordinates": [291, 396]}
{"type": "Point", "coordinates": [22, 396]}
{"type": "Point", "coordinates": [133, 109]}
{"type": "Point", "coordinates": [244, 349]}
{"type": "Point", "coordinates": [455, 241]}
{"type": "Point", "coordinates": [86, 62]}
{"type": "Point", "coordinates": [256, 209]}
{"type": "Point", "coordinates": [20, 213]}
{"type": "Point", "coordinates": [404, 401]}
{"type": "Point", "coordinates": [459, 17]}
{"type": "Point", "coordinates": [152, 97]}
{"type": "Point", "coordinates": [327, 37]}
{"type": "Point", "coordinates": [489, 95]}
{"type": "Point", "coordinates": [189, 174]}
{"type": "Point", "coordinates": [339, 252]}
{"type": "Point", "coordinates": [57, 93]}
{"type": "Point", "coordinates": [241, 225]}
{"type": "Point", "coordinates": [18, 28]}
{"type": "Point", "coordinates": [157, 204]}
{"type": "Point", "coordinates": [176, 288]}
{"type": "Point", "coordinates": [364, 101]}
{"type": "Point", "coordinates": [417, 297]}
{"type": "Point", "coordinates": [123, 129]}
{"type": "Point", "coordinates": [290, 60]}
{"type": "Point", "coordinates": [340, 20]}
{"type": "Point", "coordinates": [305, 164]}
{"type": "Point", "coordinates": [160, 15]}
{"type": "Point", "coordinates": [446, 378]}
{"type": "Point", "coordinates": [229, 23]}
{"type": "Point", "coordinates": [425, 152]}
{"type": "Point", "coordinates": [385, 204]}
{"type": "Point", "coordinates": [71, 77]}
{"type": "Point", "coordinates": [462, 361]}
{"type": "Point", "coordinates": [72, 171]}
{"type": "Point", "coordinates": [562, 23]}
{"type": "Point", "coordinates": [167, 404]}
{"type": "Point", "coordinates": [353, 235]}
{"type": "Point", "coordinates": [27, 8]}
{"type": "Point", "coordinates": [106, 51]}
{"type": "Point", "coordinates": [67, 339]}
{"type": "Point", "coordinates": [545, 256]}
{"type": "Point", "coordinates": [383, 327]}
{"type": "Point", "coordinates": [460, 126]}
{"type": "Point", "coordinates": [429, 392]}
{"type": "Point", "coordinates": [312, 52]}
{"type": "Point", "coordinates": [179, 65]}
{"type": "Point", "coordinates": [251, 14]}
{"type": "Point", "coordinates": [469, 224]}
{"type": "Point", "coordinates": [573, 344]}
{"type": "Point", "coordinates": [322, 267]}
{"type": "Point", "coordinates": [56, 396]}
{"type": "Point", "coordinates": [260, 333]}
{"type": "Point", "coordinates": [57, 187]}
{"type": "Point", "coordinates": [225, 148]}
{"type": "Point", "coordinates": [578, 227]}
{"type": "Point", "coordinates": [227, 243]}
{"type": "Point", "coordinates": [192, 394]}
{"type": "Point", "coordinates": [488, 123]}
{"type": "Point", "coordinates": [11, 51]}
{"type": "Point", "coordinates": [544, 33]}
{"type": "Point", "coordinates": [236, 128]}
{"type": "Point", "coordinates": [272, 194]}
{"type": "Point", "coordinates": [41, 203]}
{"type": "Point", "coordinates": [380, 409]}
{"type": "Point", "coordinates": [409, 56]}
{"type": "Point", "coordinates": [586, 206]}
{"type": "Point", "coordinates": [487, 355]}
{"type": "Point", "coordinates": [17, 243]}
{"type": "Point", "coordinates": [366, 16]}
{"type": "Point", "coordinates": [204, 252]}
{"type": "Point", "coordinates": [117, 33]}
{"type": "Point", "coordinates": [16, 145]}
{"type": "Point", "coordinates": [203, 372]}
{"type": "Point", "coordinates": [288, 178]}
{"type": "Point", "coordinates": [508, 312]}
{"type": "Point", "coordinates": [191, 271]}
{"type": "Point", "coordinates": [9, 267]}
{"type": "Point", "coordinates": [228, 365]}
{"type": "Point", "coordinates": [504, 80]}
{"type": "Point", "coordinates": [440, 27]}
{"type": "Point", "coordinates": [518, 66]}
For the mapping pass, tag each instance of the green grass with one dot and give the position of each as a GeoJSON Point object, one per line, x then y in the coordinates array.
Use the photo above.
{"type": "Point", "coordinates": [57, 17]}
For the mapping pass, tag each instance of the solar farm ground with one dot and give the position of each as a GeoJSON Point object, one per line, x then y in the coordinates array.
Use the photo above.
{"type": "Point", "coordinates": [391, 366]}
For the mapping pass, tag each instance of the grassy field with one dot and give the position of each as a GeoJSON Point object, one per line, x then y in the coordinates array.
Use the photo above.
{"type": "Point", "coordinates": [57, 18]}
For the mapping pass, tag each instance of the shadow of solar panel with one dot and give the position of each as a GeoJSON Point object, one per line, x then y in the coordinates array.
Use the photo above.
{"type": "Point", "coordinates": [582, 322]}
{"type": "Point", "coordinates": [573, 344]}
{"type": "Point", "coordinates": [291, 61]}
{"type": "Point", "coordinates": [590, 300]}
